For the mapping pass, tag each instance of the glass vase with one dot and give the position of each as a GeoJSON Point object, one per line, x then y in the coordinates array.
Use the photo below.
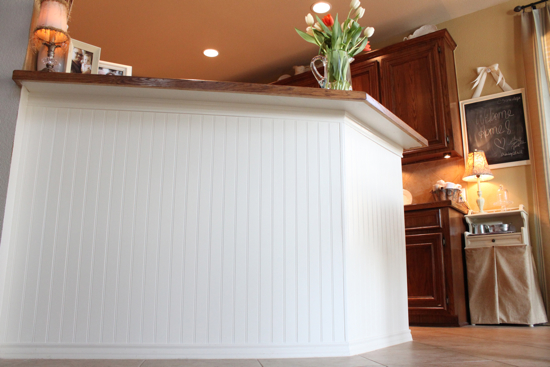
{"type": "Point", "coordinates": [337, 74]}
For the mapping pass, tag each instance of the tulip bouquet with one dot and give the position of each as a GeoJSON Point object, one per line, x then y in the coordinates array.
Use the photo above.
{"type": "Point", "coordinates": [338, 44]}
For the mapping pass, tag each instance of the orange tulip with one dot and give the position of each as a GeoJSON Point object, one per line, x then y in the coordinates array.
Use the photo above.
{"type": "Point", "coordinates": [328, 20]}
{"type": "Point", "coordinates": [367, 47]}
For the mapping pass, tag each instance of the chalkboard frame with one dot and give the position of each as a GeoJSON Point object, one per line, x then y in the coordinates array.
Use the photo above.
{"type": "Point", "coordinates": [465, 124]}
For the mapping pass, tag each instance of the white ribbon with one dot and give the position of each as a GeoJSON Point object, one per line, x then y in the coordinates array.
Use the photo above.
{"type": "Point", "coordinates": [482, 75]}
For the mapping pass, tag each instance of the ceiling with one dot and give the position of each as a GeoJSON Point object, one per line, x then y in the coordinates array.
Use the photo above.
{"type": "Point", "coordinates": [256, 39]}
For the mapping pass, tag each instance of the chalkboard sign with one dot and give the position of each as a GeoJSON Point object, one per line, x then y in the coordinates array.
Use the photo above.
{"type": "Point", "coordinates": [496, 125]}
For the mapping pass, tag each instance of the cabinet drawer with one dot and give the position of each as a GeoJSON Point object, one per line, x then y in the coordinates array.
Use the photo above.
{"type": "Point", "coordinates": [494, 240]}
{"type": "Point", "coordinates": [425, 219]}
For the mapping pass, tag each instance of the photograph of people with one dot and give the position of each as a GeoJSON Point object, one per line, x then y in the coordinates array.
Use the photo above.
{"type": "Point", "coordinates": [87, 63]}
{"type": "Point", "coordinates": [107, 71]}
{"type": "Point", "coordinates": [76, 63]}
{"type": "Point", "coordinates": [82, 58]}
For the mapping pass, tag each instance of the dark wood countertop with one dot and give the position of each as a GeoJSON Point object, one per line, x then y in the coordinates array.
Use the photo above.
{"type": "Point", "coordinates": [355, 97]}
{"type": "Point", "coordinates": [437, 205]}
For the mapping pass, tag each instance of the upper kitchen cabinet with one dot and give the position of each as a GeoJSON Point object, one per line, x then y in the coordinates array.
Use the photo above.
{"type": "Point", "coordinates": [366, 77]}
{"type": "Point", "coordinates": [305, 79]}
{"type": "Point", "coordinates": [418, 84]}
{"type": "Point", "coordinates": [416, 80]}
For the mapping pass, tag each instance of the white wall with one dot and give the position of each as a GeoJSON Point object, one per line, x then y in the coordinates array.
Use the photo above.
{"type": "Point", "coordinates": [15, 19]}
{"type": "Point", "coordinates": [145, 228]}
{"type": "Point", "coordinates": [376, 272]}
{"type": "Point", "coordinates": [135, 228]}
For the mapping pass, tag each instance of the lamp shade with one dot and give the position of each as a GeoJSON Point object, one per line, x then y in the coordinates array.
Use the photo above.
{"type": "Point", "coordinates": [477, 166]}
{"type": "Point", "coordinates": [52, 20]}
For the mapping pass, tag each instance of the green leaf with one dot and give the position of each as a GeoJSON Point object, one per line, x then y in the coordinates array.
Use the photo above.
{"type": "Point", "coordinates": [336, 33]}
{"type": "Point", "coordinates": [307, 37]}
{"type": "Point", "coordinates": [361, 46]}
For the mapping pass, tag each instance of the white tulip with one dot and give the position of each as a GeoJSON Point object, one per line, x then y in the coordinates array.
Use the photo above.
{"type": "Point", "coordinates": [310, 20]}
{"type": "Point", "coordinates": [354, 4]}
{"type": "Point", "coordinates": [309, 31]}
{"type": "Point", "coordinates": [318, 27]}
{"type": "Point", "coordinates": [359, 13]}
{"type": "Point", "coordinates": [369, 31]}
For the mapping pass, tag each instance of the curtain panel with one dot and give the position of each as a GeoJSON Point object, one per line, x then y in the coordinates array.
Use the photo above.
{"type": "Point", "coordinates": [535, 29]}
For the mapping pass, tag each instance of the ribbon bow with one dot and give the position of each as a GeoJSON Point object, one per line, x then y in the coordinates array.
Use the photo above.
{"type": "Point", "coordinates": [482, 75]}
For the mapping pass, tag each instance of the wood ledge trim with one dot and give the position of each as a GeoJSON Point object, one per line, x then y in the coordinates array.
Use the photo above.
{"type": "Point", "coordinates": [21, 76]}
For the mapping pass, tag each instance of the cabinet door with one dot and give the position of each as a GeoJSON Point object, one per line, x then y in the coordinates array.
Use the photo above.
{"type": "Point", "coordinates": [306, 79]}
{"type": "Point", "coordinates": [365, 77]}
{"type": "Point", "coordinates": [425, 271]}
{"type": "Point", "coordinates": [411, 88]}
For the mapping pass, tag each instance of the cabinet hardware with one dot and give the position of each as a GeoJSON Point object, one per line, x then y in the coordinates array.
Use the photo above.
{"type": "Point", "coordinates": [439, 49]}
{"type": "Point", "coordinates": [447, 300]}
{"type": "Point", "coordinates": [444, 242]}
{"type": "Point", "coordinates": [448, 139]}
{"type": "Point", "coordinates": [493, 240]}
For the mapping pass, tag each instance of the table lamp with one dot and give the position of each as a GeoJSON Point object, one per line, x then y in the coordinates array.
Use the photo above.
{"type": "Point", "coordinates": [477, 169]}
{"type": "Point", "coordinates": [51, 28]}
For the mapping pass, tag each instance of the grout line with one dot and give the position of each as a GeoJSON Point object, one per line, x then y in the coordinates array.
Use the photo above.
{"type": "Point", "coordinates": [142, 362]}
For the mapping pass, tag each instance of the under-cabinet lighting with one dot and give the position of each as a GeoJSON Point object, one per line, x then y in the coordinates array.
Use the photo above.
{"type": "Point", "coordinates": [211, 52]}
{"type": "Point", "coordinates": [321, 7]}
{"type": "Point", "coordinates": [447, 156]}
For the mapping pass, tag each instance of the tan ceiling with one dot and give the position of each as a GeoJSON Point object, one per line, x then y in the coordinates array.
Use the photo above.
{"type": "Point", "coordinates": [256, 39]}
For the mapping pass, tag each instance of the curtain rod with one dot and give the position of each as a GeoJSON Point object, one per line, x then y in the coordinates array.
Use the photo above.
{"type": "Point", "coordinates": [519, 8]}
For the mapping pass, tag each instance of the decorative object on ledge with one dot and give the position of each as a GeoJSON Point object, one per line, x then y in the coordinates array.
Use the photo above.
{"type": "Point", "coordinates": [110, 68]}
{"type": "Point", "coordinates": [82, 58]}
{"type": "Point", "coordinates": [51, 29]}
{"type": "Point", "coordinates": [425, 29]}
{"type": "Point", "coordinates": [338, 44]}
{"type": "Point", "coordinates": [477, 169]}
{"type": "Point", "coordinates": [482, 75]}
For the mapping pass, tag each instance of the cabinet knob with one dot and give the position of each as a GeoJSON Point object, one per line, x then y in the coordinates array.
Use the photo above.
{"type": "Point", "coordinates": [493, 240]}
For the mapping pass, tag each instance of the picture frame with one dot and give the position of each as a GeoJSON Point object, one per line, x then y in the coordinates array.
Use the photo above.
{"type": "Point", "coordinates": [111, 68]}
{"type": "Point", "coordinates": [86, 61]}
{"type": "Point", "coordinates": [498, 125]}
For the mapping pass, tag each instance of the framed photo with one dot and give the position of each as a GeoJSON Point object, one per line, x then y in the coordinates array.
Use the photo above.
{"type": "Point", "coordinates": [110, 68]}
{"type": "Point", "coordinates": [82, 58]}
{"type": "Point", "coordinates": [497, 124]}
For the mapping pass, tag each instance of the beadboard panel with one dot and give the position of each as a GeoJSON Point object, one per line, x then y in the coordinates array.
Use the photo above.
{"type": "Point", "coordinates": [376, 279]}
{"type": "Point", "coordinates": [147, 228]}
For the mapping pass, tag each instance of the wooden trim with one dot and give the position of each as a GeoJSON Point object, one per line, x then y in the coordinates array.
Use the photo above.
{"type": "Point", "coordinates": [437, 204]}
{"type": "Point", "coordinates": [20, 76]}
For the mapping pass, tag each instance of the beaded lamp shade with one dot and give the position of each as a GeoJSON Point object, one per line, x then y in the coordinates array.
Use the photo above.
{"type": "Point", "coordinates": [477, 166]}
{"type": "Point", "coordinates": [51, 25]}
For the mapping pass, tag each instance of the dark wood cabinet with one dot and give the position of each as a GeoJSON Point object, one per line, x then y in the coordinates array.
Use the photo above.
{"type": "Point", "coordinates": [366, 77]}
{"type": "Point", "coordinates": [435, 266]}
{"type": "Point", "coordinates": [416, 80]}
{"type": "Point", "coordinates": [305, 79]}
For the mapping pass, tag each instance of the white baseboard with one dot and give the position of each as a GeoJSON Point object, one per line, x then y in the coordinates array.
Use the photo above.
{"type": "Point", "coordinates": [370, 344]}
{"type": "Point", "coordinates": [178, 351]}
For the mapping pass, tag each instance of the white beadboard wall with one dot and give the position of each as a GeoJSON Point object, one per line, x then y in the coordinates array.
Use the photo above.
{"type": "Point", "coordinates": [135, 232]}
{"type": "Point", "coordinates": [376, 269]}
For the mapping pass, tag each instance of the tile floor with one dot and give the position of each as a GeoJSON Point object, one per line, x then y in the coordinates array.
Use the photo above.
{"type": "Point", "coordinates": [471, 346]}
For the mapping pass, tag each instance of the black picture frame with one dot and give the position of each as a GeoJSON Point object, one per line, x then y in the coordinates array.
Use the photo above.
{"type": "Point", "coordinates": [497, 124]}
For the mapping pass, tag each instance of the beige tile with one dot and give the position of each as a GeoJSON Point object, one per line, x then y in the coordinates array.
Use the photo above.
{"type": "Point", "coordinates": [202, 363]}
{"type": "Point", "coordinates": [10, 362]}
{"type": "Point", "coordinates": [355, 361]}
{"type": "Point", "coordinates": [515, 354]}
{"type": "Point", "coordinates": [79, 363]}
{"type": "Point", "coordinates": [458, 364]}
{"type": "Point", "coordinates": [417, 354]}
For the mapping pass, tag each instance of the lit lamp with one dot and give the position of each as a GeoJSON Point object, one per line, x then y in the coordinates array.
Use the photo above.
{"type": "Point", "coordinates": [51, 28]}
{"type": "Point", "coordinates": [477, 169]}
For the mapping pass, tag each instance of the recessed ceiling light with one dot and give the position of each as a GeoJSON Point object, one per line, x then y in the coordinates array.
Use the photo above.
{"type": "Point", "coordinates": [321, 7]}
{"type": "Point", "coordinates": [210, 53]}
